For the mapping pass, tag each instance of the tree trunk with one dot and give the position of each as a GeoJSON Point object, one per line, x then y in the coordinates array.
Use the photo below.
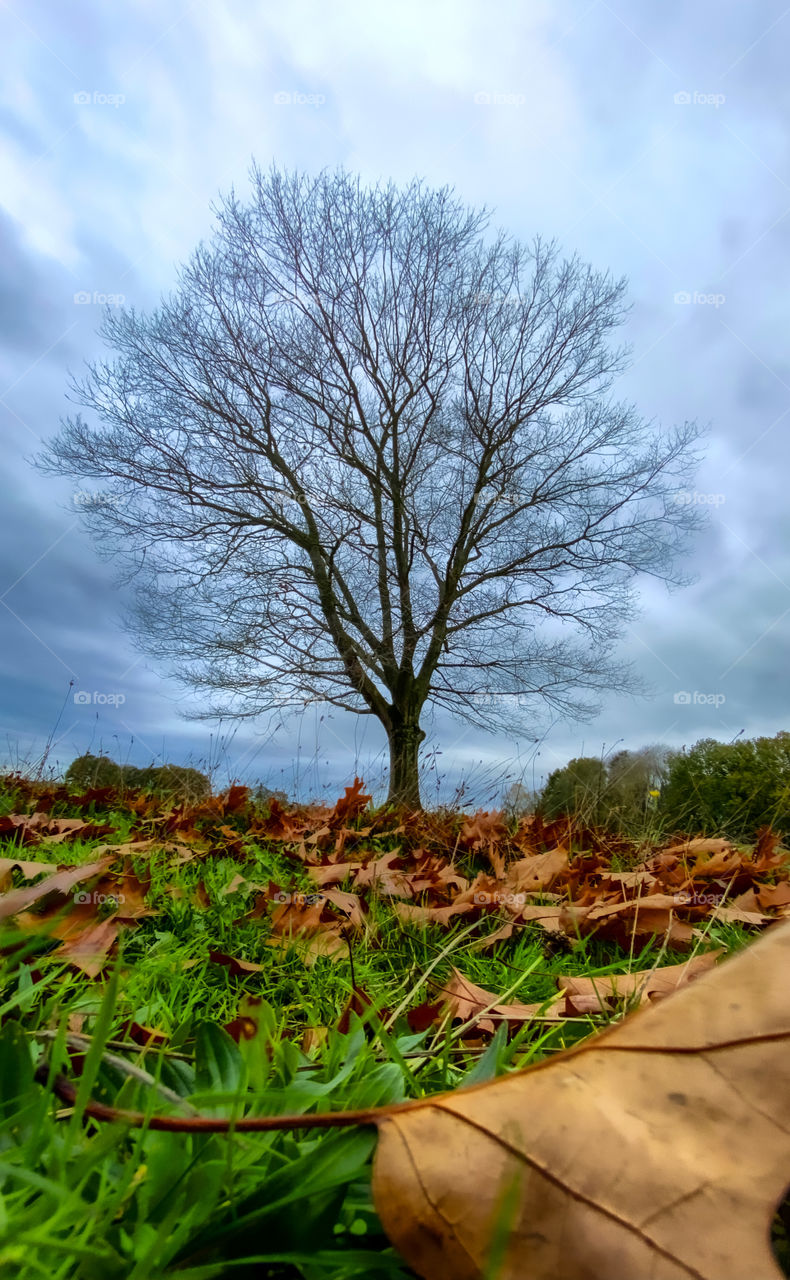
{"type": "Point", "coordinates": [405, 737]}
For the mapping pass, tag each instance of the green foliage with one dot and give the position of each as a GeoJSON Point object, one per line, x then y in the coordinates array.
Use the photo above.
{"type": "Point", "coordinates": [170, 780]}
{"type": "Point", "coordinates": [576, 790]}
{"type": "Point", "coordinates": [617, 793]}
{"type": "Point", "coordinates": [731, 788]}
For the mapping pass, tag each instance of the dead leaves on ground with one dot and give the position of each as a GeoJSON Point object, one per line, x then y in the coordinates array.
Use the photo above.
{"type": "Point", "coordinates": [658, 1148]}
{"type": "Point", "coordinates": [461, 1000]}
{"type": "Point", "coordinates": [440, 869]}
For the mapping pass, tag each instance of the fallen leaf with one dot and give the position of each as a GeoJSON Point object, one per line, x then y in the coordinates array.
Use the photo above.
{"type": "Point", "coordinates": [650, 984]}
{"type": "Point", "coordinates": [61, 883]}
{"type": "Point", "coordinates": [29, 869]}
{"type": "Point", "coordinates": [412, 914]}
{"type": "Point", "coordinates": [465, 1000]}
{"type": "Point", "coordinates": [657, 1149]}
{"type": "Point", "coordinates": [314, 1038]}
{"type": "Point", "coordinates": [550, 918]}
{"type": "Point", "coordinates": [702, 845]}
{"type": "Point", "coordinates": [359, 1002]}
{"type": "Point", "coordinates": [351, 803]}
{"type": "Point", "coordinates": [530, 875]}
{"type": "Point", "coordinates": [348, 904]}
{"type": "Point", "coordinates": [238, 968]}
{"type": "Point", "coordinates": [326, 944]}
{"type": "Point", "coordinates": [333, 872]}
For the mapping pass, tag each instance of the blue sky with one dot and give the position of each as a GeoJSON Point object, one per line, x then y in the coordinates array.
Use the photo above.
{"type": "Point", "coordinates": [652, 140]}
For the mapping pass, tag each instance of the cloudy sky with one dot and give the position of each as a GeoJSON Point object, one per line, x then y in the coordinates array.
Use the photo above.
{"type": "Point", "coordinates": [651, 139]}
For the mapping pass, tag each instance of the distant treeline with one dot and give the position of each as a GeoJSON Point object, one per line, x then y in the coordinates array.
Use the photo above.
{"type": "Point", "coordinates": [172, 781]}
{"type": "Point", "coordinates": [166, 780]}
{"type": "Point", "coordinates": [729, 788]}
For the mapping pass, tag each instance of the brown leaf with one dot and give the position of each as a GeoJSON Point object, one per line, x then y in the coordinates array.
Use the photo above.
{"type": "Point", "coordinates": [766, 897]}
{"type": "Point", "coordinates": [85, 939]}
{"type": "Point", "coordinates": [550, 918]}
{"type": "Point", "coordinates": [638, 880]}
{"type": "Point", "coordinates": [701, 846]}
{"type": "Point", "coordinates": [29, 869]}
{"type": "Point", "coordinates": [327, 943]}
{"type": "Point", "coordinates": [385, 879]}
{"type": "Point", "coordinates": [530, 875]}
{"type": "Point", "coordinates": [623, 922]}
{"type": "Point", "coordinates": [333, 872]}
{"type": "Point", "coordinates": [658, 1148]}
{"type": "Point", "coordinates": [350, 804]}
{"type": "Point", "coordinates": [348, 904]}
{"type": "Point", "coordinates": [465, 1000]}
{"type": "Point", "coordinates": [60, 883]}
{"type": "Point", "coordinates": [238, 968]}
{"type": "Point", "coordinates": [359, 1002]}
{"type": "Point", "coordinates": [424, 1015]}
{"type": "Point", "coordinates": [412, 914]}
{"type": "Point", "coordinates": [142, 1035]}
{"type": "Point", "coordinates": [650, 984]}
{"type": "Point", "coordinates": [313, 1038]}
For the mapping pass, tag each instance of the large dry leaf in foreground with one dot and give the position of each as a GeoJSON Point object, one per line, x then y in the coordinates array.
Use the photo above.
{"type": "Point", "coordinates": [656, 1151]}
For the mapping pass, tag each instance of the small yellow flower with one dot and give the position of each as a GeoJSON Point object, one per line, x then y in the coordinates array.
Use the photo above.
{"type": "Point", "coordinates": [654, 793]}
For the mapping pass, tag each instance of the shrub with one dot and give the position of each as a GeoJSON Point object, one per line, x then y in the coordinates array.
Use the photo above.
{"type": "Point", "coordinates": [173, 781]}
{"type": "Point", "coordinates": [729, 787]}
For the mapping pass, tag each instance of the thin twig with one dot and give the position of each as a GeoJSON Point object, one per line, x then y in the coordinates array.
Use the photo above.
{"type": "Point", "coordinates": [77, 1041]}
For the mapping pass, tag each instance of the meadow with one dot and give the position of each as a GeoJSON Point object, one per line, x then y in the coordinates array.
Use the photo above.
{"type": "Point", "coordinates": [224, 960]}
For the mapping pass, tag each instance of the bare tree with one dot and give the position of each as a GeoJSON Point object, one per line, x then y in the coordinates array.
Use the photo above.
{"type": "Point", "coordinates": [365, 455]}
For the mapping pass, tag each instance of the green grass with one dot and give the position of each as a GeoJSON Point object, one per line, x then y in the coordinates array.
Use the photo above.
{"type": "Point", "coordinates": [80, 1200]}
